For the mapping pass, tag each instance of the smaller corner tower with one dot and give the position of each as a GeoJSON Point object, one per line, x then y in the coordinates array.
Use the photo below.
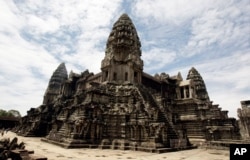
{"type": "Point", "coordinates": [59, 76]}
{"type": "Point", "coordinates": [122, 62]}
{"type": "Point", "coordinates": [200, 90]}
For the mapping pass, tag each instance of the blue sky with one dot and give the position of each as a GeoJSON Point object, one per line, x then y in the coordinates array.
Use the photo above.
{"type": "Point", "coordinates": [210, 35]}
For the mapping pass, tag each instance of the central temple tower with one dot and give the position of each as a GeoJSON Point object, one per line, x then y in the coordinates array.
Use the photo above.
{"type": "Point", "coordinates": [122, 62]}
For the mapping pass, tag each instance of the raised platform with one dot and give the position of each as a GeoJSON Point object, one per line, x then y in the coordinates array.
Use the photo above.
{"type": "Point", "coordinates": [118, 147]}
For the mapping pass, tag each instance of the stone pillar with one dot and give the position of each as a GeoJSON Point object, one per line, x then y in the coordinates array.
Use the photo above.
{"type": "Point", "coordinates": [190, 92]}
{"type": "Point", "coordinates": [184, 92]}
{"type": "Point", "coordinates": [178, 92]}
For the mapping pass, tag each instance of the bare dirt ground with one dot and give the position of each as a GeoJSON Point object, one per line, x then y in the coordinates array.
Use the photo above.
{"type": "Point", "coordinates": [53, 152]}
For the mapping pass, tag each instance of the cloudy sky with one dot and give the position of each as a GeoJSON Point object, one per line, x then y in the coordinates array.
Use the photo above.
{"type": "Point", "coordinates": [211, 35]}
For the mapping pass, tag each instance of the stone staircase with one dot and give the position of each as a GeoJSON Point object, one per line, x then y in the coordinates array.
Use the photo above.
{"type": "Point", "coordinates": [62, 130]}
{"type": "Point", "coordinates": [194, 130]}
{"type": "Point", "coordinates": [162, 114]}
{"type": "Point", "coordinates": [171, 131]}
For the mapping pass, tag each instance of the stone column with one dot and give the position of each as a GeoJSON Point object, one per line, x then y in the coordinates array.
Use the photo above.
{"type": "Point", "coordinates": [184, 92]}
{"type": "Point", "coordinates": [190, 92]}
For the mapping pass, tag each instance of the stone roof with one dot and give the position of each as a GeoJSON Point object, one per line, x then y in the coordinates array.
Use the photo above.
{"type": "Point", "coordinates": [124, 35]}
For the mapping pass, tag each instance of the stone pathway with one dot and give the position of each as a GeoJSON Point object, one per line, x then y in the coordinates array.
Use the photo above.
{"type": "Point", "coordinates": [53, 152]}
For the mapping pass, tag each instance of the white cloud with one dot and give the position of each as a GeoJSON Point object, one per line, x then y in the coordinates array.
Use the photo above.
{"type": "Point", "coordinates": [36, 36]}
{"type": "Point", "coordinates": [38, 25]}
{"type": "Point", "coordinates": [172, 12]}
{"type": "Point", "coordinates": [157, 58]}
{"type": "Point", "coordinates": [211, 35]}
{"type": "Point", "coordinates": [206, 23]}
{"type": "Point", "coordinates": [224, 27]}
{"type": "Point", "coordinates": [228, 80]}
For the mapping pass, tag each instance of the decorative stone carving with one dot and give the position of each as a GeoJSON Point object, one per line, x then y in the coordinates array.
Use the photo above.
{"type": "Point", "coordinates": [122, 62]}
{"type": "Point", "coordinates": [56, 80]}
{"type": "Point", "coordinates": [198, 84]}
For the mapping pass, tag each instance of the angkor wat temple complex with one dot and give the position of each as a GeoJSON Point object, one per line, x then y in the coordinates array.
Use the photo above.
{"type": "Point", "coordinates": [123, 107]}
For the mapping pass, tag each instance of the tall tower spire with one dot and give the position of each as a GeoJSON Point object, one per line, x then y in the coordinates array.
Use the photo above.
{"type": "Point", "coordinates": [123, 39]}
{"type": "Point", "coordinates": [199, 84]}
{"type": "Point", "coordinates": [57, 79]}
{"type": "Point", "coordinates": [122, 61]}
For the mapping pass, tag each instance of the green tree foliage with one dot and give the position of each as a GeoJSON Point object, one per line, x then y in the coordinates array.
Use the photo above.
{"type": "Point", "coordinates": [10, 113]}
{"type": "Point", "coordinates": [15, 113]}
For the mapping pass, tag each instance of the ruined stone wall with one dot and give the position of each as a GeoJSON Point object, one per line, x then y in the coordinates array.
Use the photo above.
{"type": "Point", "coordinates": [244, 119]}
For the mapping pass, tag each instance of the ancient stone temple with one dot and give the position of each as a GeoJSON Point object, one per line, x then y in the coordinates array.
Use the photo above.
{"type": "Point", "coordinates": [123, 107]}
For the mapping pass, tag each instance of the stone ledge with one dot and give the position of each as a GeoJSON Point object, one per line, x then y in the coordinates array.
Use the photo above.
{"type": "Point", "coordinates": [118, 147]}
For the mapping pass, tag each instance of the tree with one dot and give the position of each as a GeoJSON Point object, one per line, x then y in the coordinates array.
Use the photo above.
{"type": "Point", "coordinates": [3, 113]}
{"type": "Point", "coordinates": [14, 113]}
{"type": "Point", "coordinates": [10, 113]}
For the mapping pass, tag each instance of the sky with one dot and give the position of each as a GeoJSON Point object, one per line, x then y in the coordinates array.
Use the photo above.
{"type": "Point", "coordinates": [211, 35]}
